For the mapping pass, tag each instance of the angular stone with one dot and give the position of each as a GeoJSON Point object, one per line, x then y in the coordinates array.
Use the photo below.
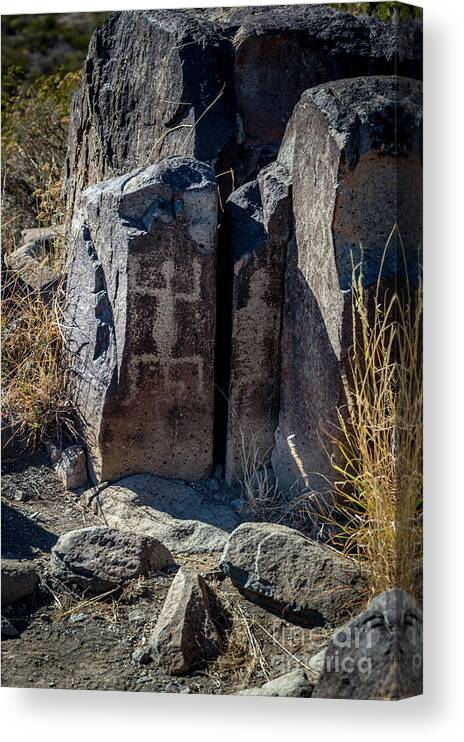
{"type": "Point", "coordinates": [185, 635]}
{"type": "Point", "coordinates": [19, 581]}
{"type": "Point", "coordinates": [293, 684]}
{"type": "Point", "coordinates": [258, 225]}
{"type": "Point", "coordinates": [29, 264]}
{"type": "Point", "coordinates": [378, 655]}
{"type": "Point", "coordinates": [140, 320]}
{"type": "Point", "coordinates": [218, 84]}
{"type": "Point", "coordinates": [98, 559]}
{"type": "Point", "coordinates": [299, 579]}
{"type": "Point", "coordinates": [365, 136]}
{"type": "Point", "coordinates": [71, 467]}
{"type": "Point", "coordinates": [173, 512]}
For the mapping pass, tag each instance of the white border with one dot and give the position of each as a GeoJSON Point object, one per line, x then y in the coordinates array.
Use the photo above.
{"type": "Point", "coordinates": [40, 714]}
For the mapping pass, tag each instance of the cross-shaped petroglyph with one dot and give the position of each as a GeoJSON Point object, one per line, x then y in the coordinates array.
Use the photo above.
{"type": "Point", "coordinates": [164, 330]}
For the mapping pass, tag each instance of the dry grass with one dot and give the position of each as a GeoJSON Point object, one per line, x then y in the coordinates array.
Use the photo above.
{"type": "Point", "coordinates": [35, 402]}
{"type": "Point", "coordinates": [379, 479]}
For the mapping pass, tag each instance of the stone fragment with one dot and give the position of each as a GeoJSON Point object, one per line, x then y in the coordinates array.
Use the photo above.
{"type": "Point", "coordinates": [185, 635]}
{"type": "Point", "coordinates": [353, 149]}
{"type": "Point", "coordinates": [377, 655]}
{"type": "Point", "coordinates": [71, 467]}
{"type": "Point", "coordinates": [98, 559]}
{"type": "Point", "coordinates": [30, 264]}
{"type": "Point", "coordinates": [140, 320]}
{"type": "Point", "coordinates": [293, 684]}
{"type": "Point", "coordinates": [19, 581]}
{"type": "Point", "coordinates": [282, 570]}
{"type": "Point", "coordinates": [175, 513]}
{"type": "Point", "coordinates": [258, 224]}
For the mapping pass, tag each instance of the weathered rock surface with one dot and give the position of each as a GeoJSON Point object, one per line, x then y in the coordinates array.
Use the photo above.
{"type": "Point", "coordinates": [293, 684]}
{"type": "Point", "coordinates": [19, 581]}
{"type": "Point", "coordinates": [218, 84]}
{"type": "Point", "coordinates": [185, 635]}
{"type": "Point", "coordinates": [173, 512]}
{"type": "Point", "coordinates": [365, 136]}
{"type": "Point", "coordinates": [141, 320]}
{"type": "Point", "coordinates": [378, 655]}
{"type": "Point", "coordinates": [71, 467]}
{"type": "Point", "coordinates": [98, 558]}
{"type": "Point", "coordinates": [29, 263]}
{"type": "Point", "coordinates": [301, 580]}
{"type": "Point", "coordinates": [8, 630]}
{"type": "Point", "coordinates": [259, 223]}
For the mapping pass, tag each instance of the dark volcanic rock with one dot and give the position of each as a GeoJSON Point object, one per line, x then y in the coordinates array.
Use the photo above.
{"type": "Point", "coordinates": [299, 579]}
{"type": "Point", "coordinates": [258, 223]}
{"type": "Point", "coordinates": [140, 320]}
{"type": "Point", "coordinates": [365, 136]}
{"type": "Point", "coordinates": [378, 655]}
{"type": "Point", "coordinates": [217, 84]}
{"type": "Point", "coordinates": [185, 635]}
{"type": "Point", "coordinates": [98, 559]}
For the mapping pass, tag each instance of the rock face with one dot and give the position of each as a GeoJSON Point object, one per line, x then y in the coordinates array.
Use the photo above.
{"type": "Point", "coordinates": [19, 581]}
{"type": "Point", "coordinates": [365, 136]}
{"type": "Point", "coordinates": [378, 655]}
{"type": "Point", "coordinates": [301, 580]}
{"type": "Point", "coordinates": [98, 559]}
{"type": "Point", "coordinates": [293, 684]}
{"type": "Point", "coordinates": [185, 634]}
{"type": "Point", "coordinates": [172, 512]}
{"type": "Point", "coordinates": [258, 222]}
{"type": "Point", "coordinates": [141, 320]}
{"type": "Point", "coordinates": [217, 84]}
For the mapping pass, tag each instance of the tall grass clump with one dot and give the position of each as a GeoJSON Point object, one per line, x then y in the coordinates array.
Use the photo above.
{"type": "Point", "coordinates": [35, 401]}
{"type": "Point", "coordinates": [379, 472]}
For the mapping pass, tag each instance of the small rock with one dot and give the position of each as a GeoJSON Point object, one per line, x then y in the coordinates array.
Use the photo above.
{"type": "Point", "coordinates": [8, 630]}
{"type": "Point", "coordinates": [299, 579]}
{"type": "Point", "coordinates": [316, 662]}
{"type": "Point", "coordinates": [291, 685]}
{"type": "Point", "coordinates": [377, 655]}
{"type": "Point", "coordinates": [77, 617]}
{"type": "Point", "coordinates": [19, 581]}
{"type": "Point", "coordinates": [71, 467]}
{"type": "Point", "coordinates": [98, 559]}
{"type": "Point", "coordinates": [140, 656]}
{"type": "Point", "coordinates": [185, 634]}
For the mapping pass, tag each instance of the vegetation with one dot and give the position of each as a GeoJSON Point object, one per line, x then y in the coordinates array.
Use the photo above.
{"type": "Point", "coordinates": [383, 10]}
{"type": "Point", "coordinates": [379, 486]}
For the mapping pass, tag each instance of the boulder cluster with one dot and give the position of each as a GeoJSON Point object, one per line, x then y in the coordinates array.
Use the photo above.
{"type": "Point", "coordinates": [226, 170]}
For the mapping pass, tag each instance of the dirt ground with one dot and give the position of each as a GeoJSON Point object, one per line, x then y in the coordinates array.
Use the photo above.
{"type": "Point", "coordinates": [65, 642]}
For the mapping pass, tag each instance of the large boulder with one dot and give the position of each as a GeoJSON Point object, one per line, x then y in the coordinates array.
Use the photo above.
{"type": "Point", "coordinates": [99, 559]}
{"type": "Point", "coordinates": [378, 655]}
{"type": "Point", "coordinates": [140, 320]}
{"type": "Point", "coordinates": [353, 149]}
{"type": "Point", "coordinates": [218, 84]}
{"type": "Point", "coordinates": [186, 520]}
{"type": "Point", "coordinates": [258, 225]}
{"type": "Point", "coordinates": [299, 579]}
{"type": "Point", "coordinates": [185, 635]}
